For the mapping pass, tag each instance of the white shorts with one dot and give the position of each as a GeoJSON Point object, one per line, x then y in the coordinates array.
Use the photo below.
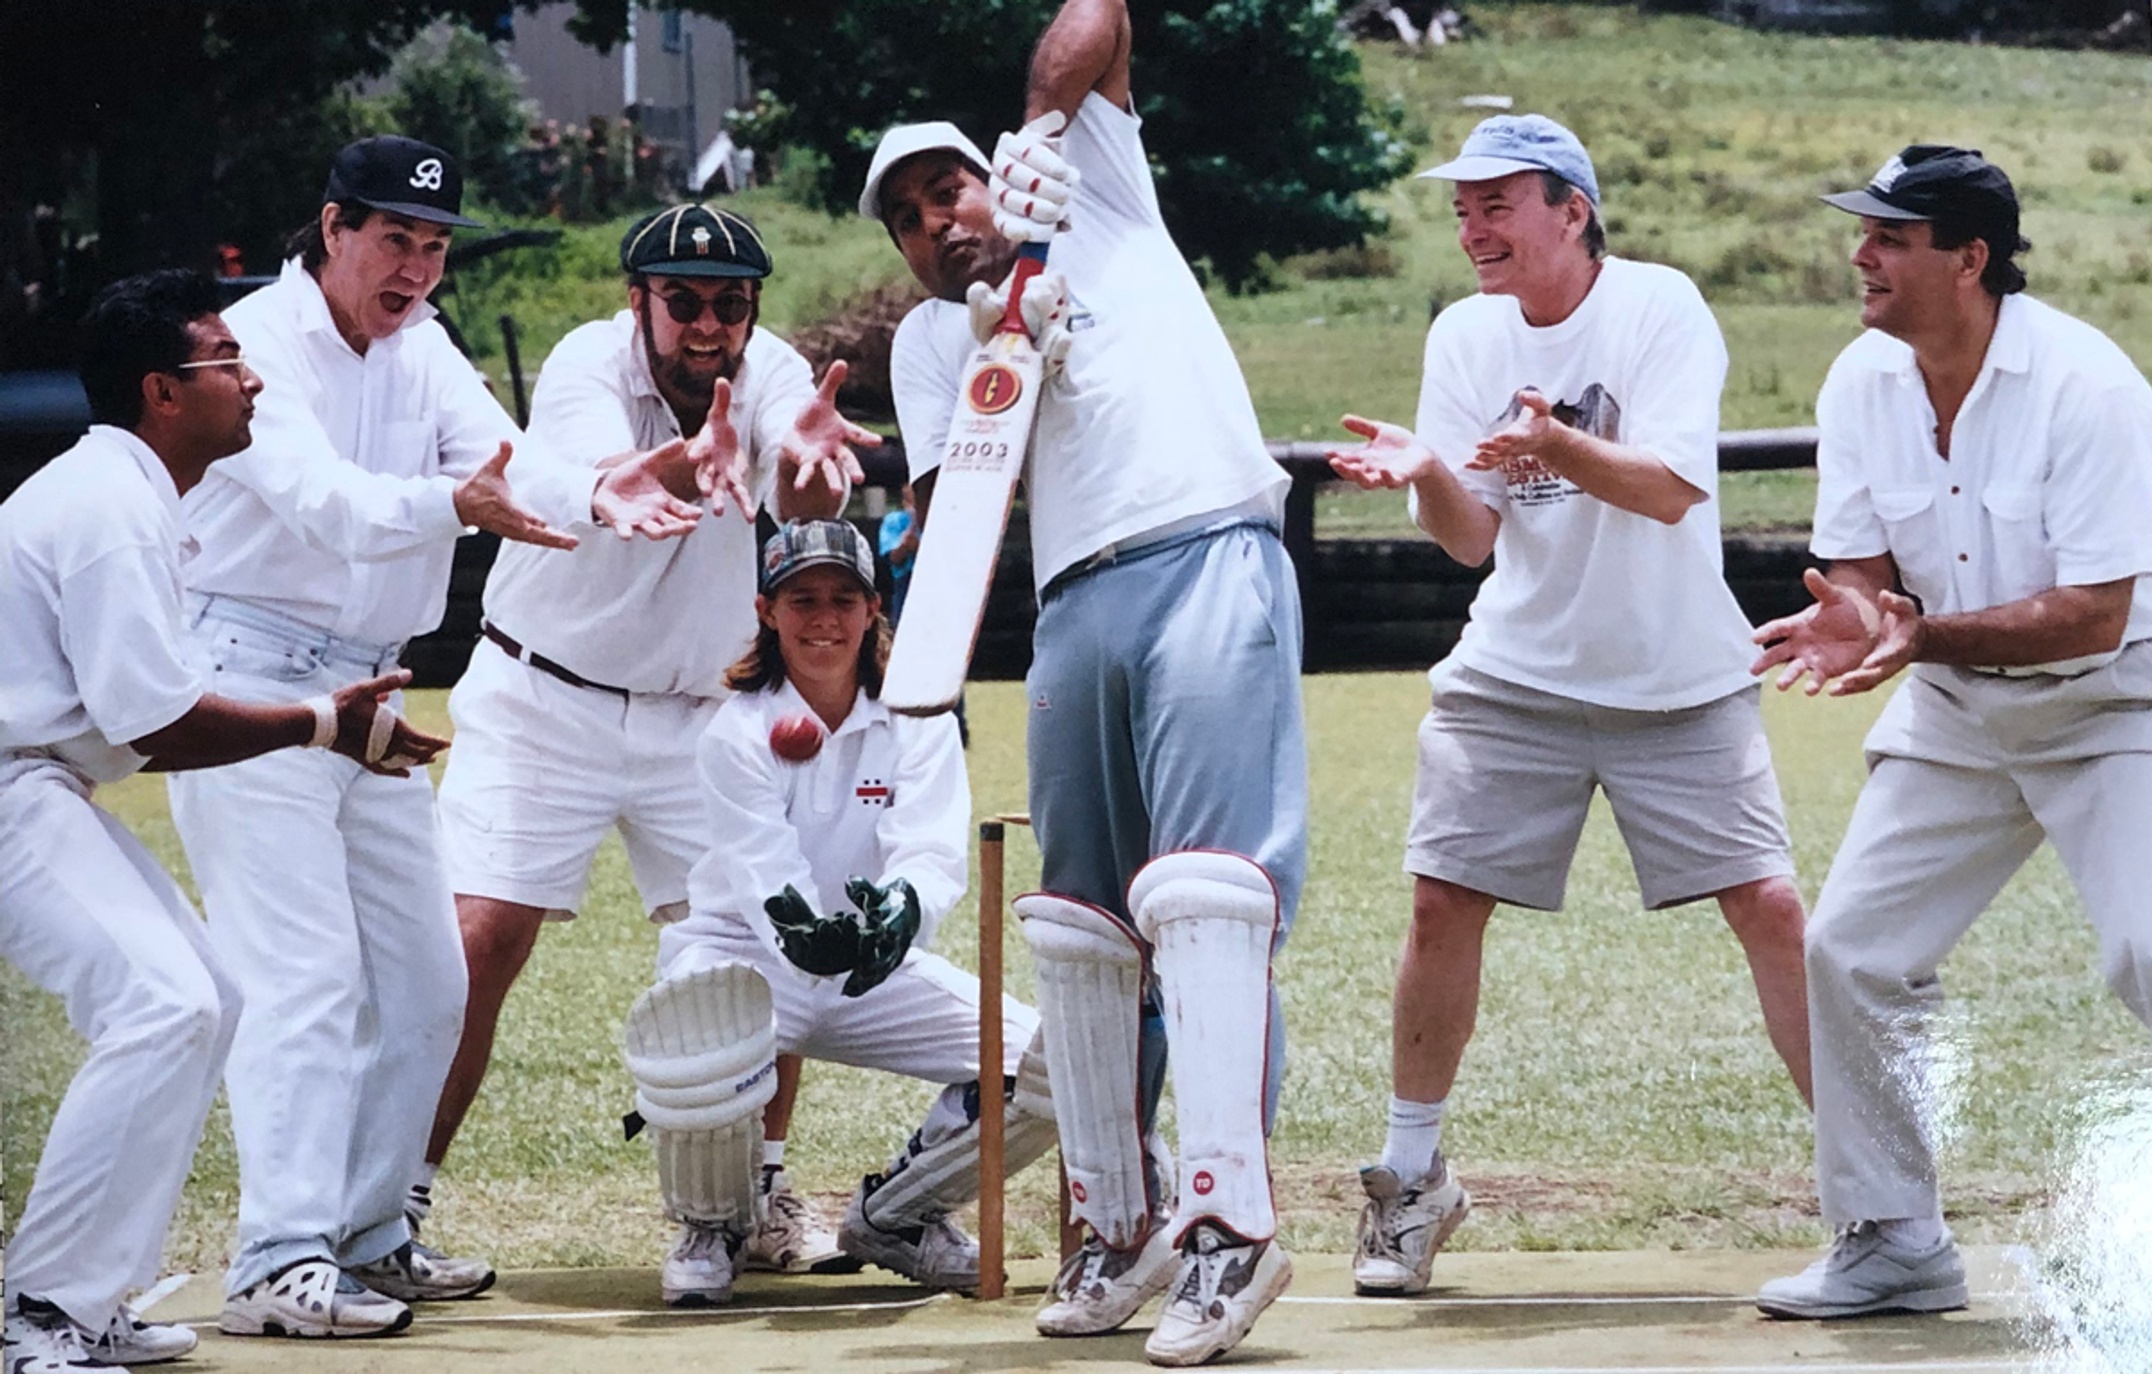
{"type": "Point", "coordinates": [541, 770]}
{"type": "Point", "coordinates": [923, 1021]}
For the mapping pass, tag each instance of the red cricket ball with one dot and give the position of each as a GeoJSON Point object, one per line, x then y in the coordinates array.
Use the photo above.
{"type": "Point", "coordinates": [796, 739]}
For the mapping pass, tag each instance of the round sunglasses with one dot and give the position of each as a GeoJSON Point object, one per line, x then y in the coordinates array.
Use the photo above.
{"type": "Point", "coordinates": [686, 307]}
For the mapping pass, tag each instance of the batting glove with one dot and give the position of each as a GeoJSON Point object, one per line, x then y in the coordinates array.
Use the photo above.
{"type": "Point", "coordinates": [1030, 183]}
{"type": "Point", "coordinates": [824, 946]}
{"type": "Point", "coordinates": [1045, 310]}
{"type": "Point", "coordinates": [889, 921]}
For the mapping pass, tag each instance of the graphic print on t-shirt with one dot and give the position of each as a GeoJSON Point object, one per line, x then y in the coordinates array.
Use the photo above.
{"type": "Point", "coordinates": [1533, 483]}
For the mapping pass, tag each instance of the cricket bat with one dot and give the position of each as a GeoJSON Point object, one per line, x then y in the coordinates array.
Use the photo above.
{"type": "Point", "coordinates": [989, 434]}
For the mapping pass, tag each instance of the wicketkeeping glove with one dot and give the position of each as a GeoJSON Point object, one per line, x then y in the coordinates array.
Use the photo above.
{"type": "Point", "coordinates": [889, 921]}
{"type": "Point", "coordinates": [824, 946]}
{"type": "Point", "coordinates": [1030, 182]}
{"type": "Point", "coordinates": [1045, 311]}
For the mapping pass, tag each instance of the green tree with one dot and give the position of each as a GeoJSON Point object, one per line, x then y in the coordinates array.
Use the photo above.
{"type": "Point", "coordinates": [1257, 123]}
{"type": "Point", "coordinates": [451, 88]}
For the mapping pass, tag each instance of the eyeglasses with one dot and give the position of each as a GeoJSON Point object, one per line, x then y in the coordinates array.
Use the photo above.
{"type": "Point", "coordinates": [686, 307]}
{"type": "Point", "coordinates": [236, 360]}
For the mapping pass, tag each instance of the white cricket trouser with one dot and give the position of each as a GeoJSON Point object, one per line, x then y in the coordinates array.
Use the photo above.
{"type": "Point", "coordinates": [1929, 846]}
{"type": "Point", "coordinates": [328, 903]}
{"type": "Point", "coordinates": [91, 917]}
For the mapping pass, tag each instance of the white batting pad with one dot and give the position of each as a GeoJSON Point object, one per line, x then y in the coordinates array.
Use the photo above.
{"type": "Point", "coordinates": [1090, 972]}
{"type": "Point", "coordinates": [938, 1169]}
{"type": "Point", "coordinates": [1210, 917]}
{"type": "Point", "coordinates": [702, 1049]}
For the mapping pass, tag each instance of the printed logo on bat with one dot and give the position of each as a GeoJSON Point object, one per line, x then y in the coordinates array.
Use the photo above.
{"type": "Point", "coordinates": [994, 388]}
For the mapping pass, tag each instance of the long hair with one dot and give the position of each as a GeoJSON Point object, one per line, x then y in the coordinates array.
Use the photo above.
{"type": "Point", "coordinates": [763, 665]}
{"type": "Point", "coordinates": [306, 243]}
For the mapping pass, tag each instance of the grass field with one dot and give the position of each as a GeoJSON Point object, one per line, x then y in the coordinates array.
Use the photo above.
{"type": "Point", "coordinates": [1711, 143]}
{"type": "Point", "coordinates": [1620, 1093]}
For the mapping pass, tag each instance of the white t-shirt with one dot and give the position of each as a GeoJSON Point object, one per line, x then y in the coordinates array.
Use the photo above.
{"type": "Point", "coordinates": [887, 797]}
{"type": "Point", "coordinates": [90, 549]}
{"type": "Point", "coordinates": [2048, 483]}
{"type": "Point", "coordinates": [1586, 600]}
{"type": "Point", "coordinates": [342, 512]}
{"type": "Point", "coordinates": [1151, 425]}
{"type": "Point", "coordinates": [666, 616]}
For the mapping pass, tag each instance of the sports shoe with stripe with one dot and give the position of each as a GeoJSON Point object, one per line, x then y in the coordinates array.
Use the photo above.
{"type": "Point", "coordinates": [1866, 1271]}
{"type": "Point", "coordinates": [1402, 1227]}
{"type": "Point", "coordinates": [1099, 1289]}
{"type": "Point", "coordinates": [130, 1340]}
{"type": "Point", "coordinates": [934, 1252]}
{"type": "Point", "coordinates": [38, 1338]}
{"type": "Point", "coordinates": [791, 1238]}
{"type": "Point", "coordinates": [419, 1273]}
{"type": "Point", "coordinates": [315, 1300]}
{"type": "Point", "coordinates": [1223, 1285]}
{"type": "Point", "coordinates": [698, 1271]}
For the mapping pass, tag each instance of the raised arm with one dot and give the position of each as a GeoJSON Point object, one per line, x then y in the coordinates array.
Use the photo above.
{"type": "Point", "coordinates": [1085, 49]}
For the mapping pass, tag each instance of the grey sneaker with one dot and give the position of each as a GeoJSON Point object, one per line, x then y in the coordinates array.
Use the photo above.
{"type": "Point", "coordinates": [419, 1273]}
{"type": "Point", "coordinates": [934, 1252]}
{"type": "Point", "coordinates": [129, 1340]}
{"type": "Point", "coordinates": [312, 1299]}
{"type": "Point", "coordinates": [791, 1238]}
{"type": "Point", "coordinates": [1403, 1226]}
{"type": "Point", "coordinates": [1223, 1286]}
{"type": "Point", "coordinates": [38, 1338]}
{"type": "Point", "coordinates": [1098, 1289]}
{"type": "Point", "coordinates": [698, 1272]}
{"type": "Point", "coordinates": [1864, 1273]}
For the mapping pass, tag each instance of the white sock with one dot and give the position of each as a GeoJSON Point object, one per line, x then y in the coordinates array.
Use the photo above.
{"type": "Point", "coordinates": [1415, 1134]}
{"type": "Point", "coordinates": [1918, 1234]}
{"type": "Point", "coordinates": [773, 1154]}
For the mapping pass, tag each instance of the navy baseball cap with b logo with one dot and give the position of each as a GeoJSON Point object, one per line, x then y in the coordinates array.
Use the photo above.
{"type": "Point", "coordinates": [399, 176]}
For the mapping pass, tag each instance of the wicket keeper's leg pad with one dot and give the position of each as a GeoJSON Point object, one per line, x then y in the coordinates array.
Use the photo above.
{"type": "Point", "coordinates": [937, 1171]}
{"type": "Point", "coordinates": [702, 1048]}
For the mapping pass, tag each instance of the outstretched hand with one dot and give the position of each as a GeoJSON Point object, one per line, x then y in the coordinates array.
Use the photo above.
{"type": "Point", "coordinates": [818, 448]}
{"type": "Point", "coordinates": [824, 946]}
{"type": "Point", "coordinates": [889, 922]}
{"type": "Point", "coordinates": [1522, 437]}
{"type": "Point", "coordinates": [485, 501]}
{"type": "Point", "coordinates": [637, 496]}
{"type": "Point", "coordinates": [369, 731]}
{"type": "Point", "coordinates": [1844, 642]}
{"type": "Point", "coordinates": [1393, 456]}
{"type": "Point", "coordinates": [720, 462]}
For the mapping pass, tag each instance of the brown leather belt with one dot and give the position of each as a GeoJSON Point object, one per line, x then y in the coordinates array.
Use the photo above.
{"type": "Point", "coordinates": [543, 664]}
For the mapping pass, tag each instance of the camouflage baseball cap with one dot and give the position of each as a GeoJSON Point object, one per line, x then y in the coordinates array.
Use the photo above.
{"type": "Point", "coordinates": [806, 543]}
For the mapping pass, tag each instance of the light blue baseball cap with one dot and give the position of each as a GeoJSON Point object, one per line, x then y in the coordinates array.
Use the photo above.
{"type": "Point", "coordinates": [1507, 144]}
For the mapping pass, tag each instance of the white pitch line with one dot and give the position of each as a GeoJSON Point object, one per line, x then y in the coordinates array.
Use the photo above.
{"type": "Point", "coordinates": [1800, 1365]}
{"type": "Point", "coordinates": [624, 1313]}
{"type": "Point", "coordinates": [1549, 1300]}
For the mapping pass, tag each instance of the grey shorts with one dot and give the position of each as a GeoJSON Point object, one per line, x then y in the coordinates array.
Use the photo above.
{"type": "Point", "coordinates": [1506, 777]}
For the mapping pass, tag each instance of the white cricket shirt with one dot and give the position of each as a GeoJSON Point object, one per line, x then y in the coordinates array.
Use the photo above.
{"type": "Point", "coordinates": [90, 549]}
{"type": "Point", "coordinates": [2048, 483]}
{"type": "Point", "coordinates": [1587, 600]}
{"type": "Point", "coordinates": [342, 511]}
{"type": "Point", "coordinates": [1151, 425]}
{"type": "Point", "coordinates": [887, 797]}
{"type": "Point", "coordinates": [666, 616]}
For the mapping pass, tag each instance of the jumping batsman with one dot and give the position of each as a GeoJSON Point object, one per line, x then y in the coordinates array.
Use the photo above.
{"type": "Point", "coordinates": [1167, 770]}
{"type": "Point", "coordinates": [837, 842]}
{"type": "Point", "coordinates": [98, 686]}
{"type": "Point", "coordinates": [324, 547]}
{"type": "Point", "coordinates": [602, 665]}
{"type": "Point", "coordinates": [1991, 457]}
{"type": "Point", "coordinates": [1568, 424]}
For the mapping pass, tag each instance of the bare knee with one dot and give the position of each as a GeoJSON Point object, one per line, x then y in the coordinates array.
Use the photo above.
{"type": "Point", "coordinates": [1443, 912]}
{"type": "Point", "coordinates": [497, 940]}
{"type": "Point", "coordinates": [1765, 915]}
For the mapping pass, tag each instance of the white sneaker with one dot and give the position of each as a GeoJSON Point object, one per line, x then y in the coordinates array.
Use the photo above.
{"type": "Point", "coordinates": [791, 1238]}
{"type": "Point", "coordinates": [698, 1272]}
{"type": "Point", "coordinates": [419, 1273]}
{"type": "Point", "coordinates": [1866, 1272]}
{"type": "Point", "coordinates": [130, 1340]}
{"type": "Point", "coordinates": [38, 1338]}
{"type": "Point", "coordinates": [312, 1299]}
{"type": "Point", "coordinates": [934, 1252]}
{"type": "Point", "coordinates": [1098, 1289]}
{"type": "Point", "coordinates": [1223, 1286]}
{"type": "Point", "coordinates": [1402, 1227]}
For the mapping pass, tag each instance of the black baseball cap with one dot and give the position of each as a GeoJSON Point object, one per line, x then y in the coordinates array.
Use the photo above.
{"type": "Point", "coordinates": [695, 241]}
{"type": "Point", "coordinates": [1933, 181]}
{"type": "Point", "coordinates": [400, 176]}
